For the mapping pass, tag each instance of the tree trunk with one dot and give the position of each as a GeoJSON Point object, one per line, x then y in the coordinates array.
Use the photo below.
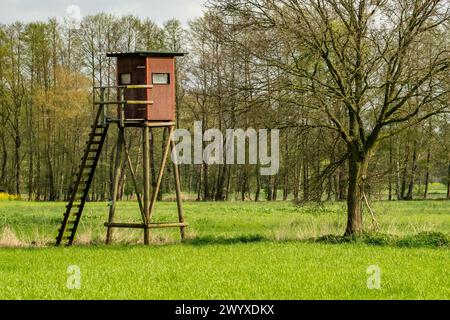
{"type": "Point", "coordinates": [397, 173]}
{"type": "Point", "coordinates": [199, 182]}
{"type": "Point", "coordinates": [269, 189]}
{"type": "Point", "coordinates": [275, 188]}
{"type": "Point", "coordinates": [17, 164]}
{"type": "Point", "coordinates": [412, 177]}
{"type": "Point", "coordinates": [337, 190]}
{"type": "Point", "coordinates": [296, 183]}
{"type": "Point", "coordinates": [286, 186]}
{"type": "Point", "coordinates": [258, 183]}
{"type": "Point", "coordinates": [227, 191]}
{"type": "Point", "coordinates": [30, 149]}
{"type": "Point", "coordinates": [305, 181]}
{"type": "Point", "coordinates": [427, 174]}
{"type": "Point", "coordinates": [3, 162]}
{"type": "Point", "coordinates": [357, 168]}
{"type": "Point", "coordinates": [221, 183]}
{"type": "Point", "coordinates": [330, 188]}
{"type": "Point", "coordinates": [206, 196]}
{"type": "Point", "coordinates": [448, 180]}
{"type": "Point", "coordinates": [51, 177]}
{"type": "Point", "coordinates": [404, 173]}
{"type": "Point", "coordinates": [390, 171]}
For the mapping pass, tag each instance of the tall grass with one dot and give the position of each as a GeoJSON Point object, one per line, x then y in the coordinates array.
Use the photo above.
{"type": "Point", "coordinates": [37, 223]}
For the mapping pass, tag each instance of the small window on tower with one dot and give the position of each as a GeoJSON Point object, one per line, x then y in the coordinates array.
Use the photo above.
{"type": "Point", "coordinates": [125, 79]}
{"type": "Point", "coordinates": [160, 78]}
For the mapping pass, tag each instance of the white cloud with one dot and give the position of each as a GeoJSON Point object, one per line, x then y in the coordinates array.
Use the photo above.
{"type": "Point", "coordinates": [157, 10]}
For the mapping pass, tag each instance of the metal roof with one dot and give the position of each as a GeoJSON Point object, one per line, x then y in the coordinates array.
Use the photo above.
{"type": "Point", "coordinates": [145, 54]}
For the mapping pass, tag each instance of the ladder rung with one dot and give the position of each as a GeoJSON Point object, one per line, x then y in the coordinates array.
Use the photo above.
{"type": "Point", "coordinates": [71, 213]}
{"type": "Point", "coordinates": [67, 222]}
{"type": "Point", "coordinates": [87, 159]}
{"type": "Point", "coordinates": [65, 230]}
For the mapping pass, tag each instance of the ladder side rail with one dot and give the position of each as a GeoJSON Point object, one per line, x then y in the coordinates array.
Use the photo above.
{"type": "Point", "coordinates": [80, 175]}
{"type": "Point", "coordinates": [77, 180]}
{"type": "Point", "coordinates": [74, 193]}
{"type": "Point", "coordinates": [88, 186]}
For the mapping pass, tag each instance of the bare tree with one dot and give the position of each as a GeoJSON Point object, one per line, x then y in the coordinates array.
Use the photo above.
{"type": "Point", "coordinates": [369, 71]}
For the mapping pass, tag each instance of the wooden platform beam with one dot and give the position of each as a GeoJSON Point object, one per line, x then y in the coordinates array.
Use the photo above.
{"type": "Point", "coordinates": [144, 226]}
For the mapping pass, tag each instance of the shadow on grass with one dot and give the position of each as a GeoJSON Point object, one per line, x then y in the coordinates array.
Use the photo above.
{"type": "Point", "coordinates": [209, 240]}
{"type": "Point", "coordinates": [423, 239]}
{"type": "Point", "coordinates": [420, 240]}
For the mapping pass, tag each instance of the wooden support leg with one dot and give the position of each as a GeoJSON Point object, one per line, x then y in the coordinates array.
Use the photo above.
{"type": "Point", "coordinates": [133, 177]}
{"type": "Point", "coordinates": [146, 161]}
{"type": "Point", "coordinates": [176, 174]}
{"type": "Point", "coordinates": [161, 172]}
{"type": "Point", "coordinates": [118, 165]}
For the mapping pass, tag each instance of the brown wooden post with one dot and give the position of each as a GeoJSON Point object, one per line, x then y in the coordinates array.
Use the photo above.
{"type": "Point", "coordinates": [121, 107]}
{"type": "Point", "coordinates": [146, 161]}
{"type": "Point", "coordinates": [133, 178]}
{"type": "Point", "coordinates": [176, 174]}
{"type": "Point", "coordinates": [160, 175]}
{"type": "Point", "coordinates": [118, 165]}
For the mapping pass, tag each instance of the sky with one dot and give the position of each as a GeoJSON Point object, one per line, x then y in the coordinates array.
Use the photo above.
{"type": "Point", "coordinates": [157, 10]}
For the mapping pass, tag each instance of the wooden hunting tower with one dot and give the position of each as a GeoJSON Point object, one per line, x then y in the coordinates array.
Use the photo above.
{"type": "Point", "coordinates": [155, 69]}
{"type": "Point", "coordinates": [143, 98]}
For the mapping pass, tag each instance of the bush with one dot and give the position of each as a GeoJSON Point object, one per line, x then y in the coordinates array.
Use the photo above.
{"type": "Point", "coordinates": [425, 239]}
{"type": "Point", "coordinates": [377, 239]}
{"type": "Point", "coordinates": [333, 239]}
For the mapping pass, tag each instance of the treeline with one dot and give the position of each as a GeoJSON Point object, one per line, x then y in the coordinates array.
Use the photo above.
{"type": "Point", "coordinates": [47, 71]}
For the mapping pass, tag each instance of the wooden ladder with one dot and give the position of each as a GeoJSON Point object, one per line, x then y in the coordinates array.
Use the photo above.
{"type": "Point", "coordinates": [83, 181]}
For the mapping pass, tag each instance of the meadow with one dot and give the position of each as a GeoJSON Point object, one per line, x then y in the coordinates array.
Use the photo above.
{"type": "Point", "coordinates": [233, 250]}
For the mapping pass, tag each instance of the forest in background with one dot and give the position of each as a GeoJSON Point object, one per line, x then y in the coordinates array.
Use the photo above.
{"type": "Point", "coordinates": [227, 80]}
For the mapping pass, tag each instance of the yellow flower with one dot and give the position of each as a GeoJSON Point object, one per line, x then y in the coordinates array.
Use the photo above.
{"type": "Point", "coordinates": [6, 196]}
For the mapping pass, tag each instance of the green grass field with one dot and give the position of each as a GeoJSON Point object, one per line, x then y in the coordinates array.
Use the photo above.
{"type": "Point", "coordinates": [234, 250]}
